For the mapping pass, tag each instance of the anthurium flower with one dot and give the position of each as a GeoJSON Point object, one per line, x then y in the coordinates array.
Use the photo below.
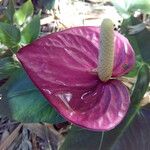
{"type": "Point", "coordinates": [76, 70]}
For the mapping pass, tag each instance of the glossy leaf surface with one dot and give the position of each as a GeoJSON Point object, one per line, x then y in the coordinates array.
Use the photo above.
{"type": "Point", "coordinates": [61, 65]}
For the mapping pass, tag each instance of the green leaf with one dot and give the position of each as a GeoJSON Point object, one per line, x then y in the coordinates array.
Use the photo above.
{"type": "Point", "coordinates": [45, 4]}
{"type": "Point", "coordinates": [81, 139]}
{"type": "Point", "coordinates": [7, 67]}
{"type": "Point", "coordinates": [21, 101]}
{"type": "Point", "coordinates": [127, 7]}
{"type": "Point", "coordinates": [140, 41]}
{"type": "Point", "coordinates": [142, 5]}
{"type": "Point", "coordinates": [9, 35]}
{"type": "Point", "coordinates": [136, 137]}
{"type": "Point", "coordinates": [9, 13]}
{"type": "Point", "coordinates": [134, 71]}
{"type": "Point", "coordinates": [25, 11]}
{"type": "Point", "coordinates": [122, 8]}
{"type": "Point", "coordinates": [86, 140]}
{"type": "Point", "coordinates": [141, 85]}
{"type": "Point", "coordinates": [125, 31]}
{"type": "Point", "coordinates": [31, 31]}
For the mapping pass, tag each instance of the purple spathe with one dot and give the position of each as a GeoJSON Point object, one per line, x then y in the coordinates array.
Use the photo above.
{"type": "Point", "coordinates": [61, 65]}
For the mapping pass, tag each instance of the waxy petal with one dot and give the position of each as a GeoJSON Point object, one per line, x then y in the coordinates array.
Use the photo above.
{"type": "Point", "coordinates": [61, 65]}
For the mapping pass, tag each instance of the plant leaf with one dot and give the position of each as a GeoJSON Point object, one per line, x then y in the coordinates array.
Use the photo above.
{"type": "Point", "coordinates": [7, 66]}
{"type": "Point", "coordinates": [111, 138]}
{"type": "Point", "coordinates": [24, 12]}
{"type": "Point", "coordinates": [141, 85]}
{"type": "Point", "coordinates": [122, 8]}
{"type": "Point", "coordinates": [140, 41]}
{"type": "Point", "coordinates": [9, 13]}
{"type": "Point", "coordinates": [138, 64]}
{"type": "Point", "coordinates": [31, 31]}
{"type": "Point", "coordinates": [81, 139]}
{"type": "Point", "coordinates": [136, 137]}
{"type": "Point", "coordinates": [44, 4]}
{"type": "Point", "coordinates": [127, 7]}
{"type": "Point", "coordinates": [9, 35]}
{"type": "Point", "coordinates": [21, 101]}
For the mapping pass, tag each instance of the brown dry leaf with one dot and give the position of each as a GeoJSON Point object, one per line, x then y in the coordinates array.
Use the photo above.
{"type": "Point", "coordinates": [5, 144]}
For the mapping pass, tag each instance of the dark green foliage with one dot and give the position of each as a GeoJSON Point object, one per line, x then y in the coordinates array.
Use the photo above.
{"type": "Point", "coordinates": [22, 101]}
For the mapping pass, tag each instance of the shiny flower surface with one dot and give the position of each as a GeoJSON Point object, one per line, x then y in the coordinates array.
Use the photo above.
{"type": "Point", "coordinates": [62, 66]}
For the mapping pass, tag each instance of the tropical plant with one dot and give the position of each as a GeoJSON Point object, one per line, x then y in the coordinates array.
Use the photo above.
{"type": "Point", "coordinates": [71, 71]}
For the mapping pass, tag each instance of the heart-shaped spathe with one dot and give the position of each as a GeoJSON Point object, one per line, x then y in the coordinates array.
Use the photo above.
{"type": "Point", "coordinates": [62, 66]}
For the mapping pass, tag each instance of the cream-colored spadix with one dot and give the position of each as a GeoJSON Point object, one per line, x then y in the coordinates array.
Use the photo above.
{"type": "Point", "coordinates": [106, 53]}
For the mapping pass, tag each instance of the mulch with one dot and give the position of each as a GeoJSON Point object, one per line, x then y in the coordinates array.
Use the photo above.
{"type": "Point", "coordinates": [29, 136]}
